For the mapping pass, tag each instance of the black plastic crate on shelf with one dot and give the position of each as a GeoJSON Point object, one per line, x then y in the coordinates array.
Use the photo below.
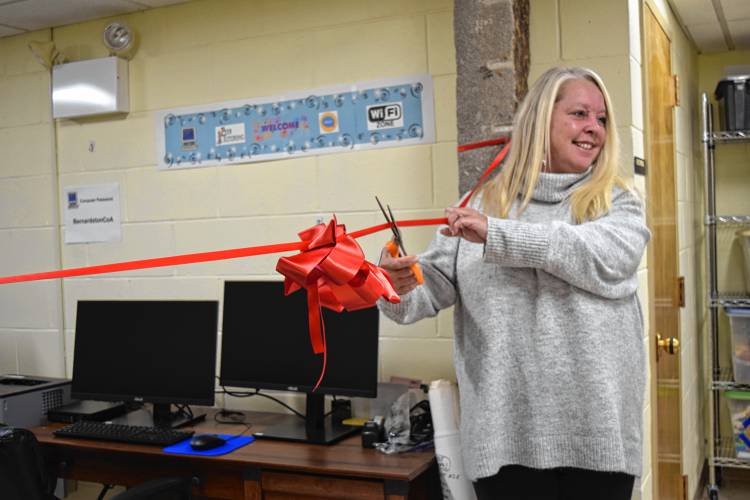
{"type": "Point", "coordinates": [733, 94]}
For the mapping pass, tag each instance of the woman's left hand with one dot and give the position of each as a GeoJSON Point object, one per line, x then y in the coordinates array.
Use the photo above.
{"type": "Point", "coordinates": [466, 223]}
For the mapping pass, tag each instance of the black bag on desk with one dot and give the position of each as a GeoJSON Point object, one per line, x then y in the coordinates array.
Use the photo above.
{"type": "Point", "coordinates": [733, 94]}
{"type": "Point", "coordinates": [22, 471]}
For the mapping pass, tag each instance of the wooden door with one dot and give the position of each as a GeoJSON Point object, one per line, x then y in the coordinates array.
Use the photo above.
{"type": "Point", "coordinates": [662, 260]}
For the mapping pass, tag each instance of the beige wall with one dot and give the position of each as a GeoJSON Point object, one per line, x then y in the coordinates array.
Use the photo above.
{"type": "Point", "coordinates": [31, 339]}
{"type": "Point", "coordinates": [731, 171]}
{"type": "Point", "coordinates": [203, 52]}
{"type": "Point", "coordinates": [732, 185]}
{"type": "Point", "coordinates": [191, 54]}
{"type": "Point", "coordinates": [561, 33]}
{"type": "Point", "coordinates": [689, 227]}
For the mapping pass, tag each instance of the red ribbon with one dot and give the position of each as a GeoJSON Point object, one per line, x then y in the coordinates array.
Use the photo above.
{"type": "Point", "coordinates": [486, 173]}
{"type": "Point", "coordinates": [175, 260]}
{"type": "Point", "coordinates": [482, 144]}
{"type": "Point", "coordinates": [330, 266]}
{"type": "Point", "coordinates": [336, 275]}
{"type": "Point", "coordinates": [333, 270]}
{"type": "Point", "coordinates": [229, 254]}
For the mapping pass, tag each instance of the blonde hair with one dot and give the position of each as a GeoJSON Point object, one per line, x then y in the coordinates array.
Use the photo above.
{"type": "Point", "coordinates": [530, 149]}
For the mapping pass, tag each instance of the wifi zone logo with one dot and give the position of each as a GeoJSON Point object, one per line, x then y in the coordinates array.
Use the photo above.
{"type": "Point", "coordinates": [384, 116]}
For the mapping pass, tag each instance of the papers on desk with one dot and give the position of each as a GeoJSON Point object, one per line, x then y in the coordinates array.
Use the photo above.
{"type": "Point", "coordinates": [233, 442]}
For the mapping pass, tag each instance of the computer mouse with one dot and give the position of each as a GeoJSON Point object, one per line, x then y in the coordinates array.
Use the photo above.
{"type": "Point", "coordinates": [203, 442]}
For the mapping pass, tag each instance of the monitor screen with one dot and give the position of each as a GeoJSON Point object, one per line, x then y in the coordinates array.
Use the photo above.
{"type": "Point", "coordinates": [266, 344]}
{"type": "Point", "coordinates": [161, 351]}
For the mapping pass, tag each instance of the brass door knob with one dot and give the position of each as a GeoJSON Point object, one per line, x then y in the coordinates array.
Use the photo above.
{"type": "Point", "coordinates": [670, 345]}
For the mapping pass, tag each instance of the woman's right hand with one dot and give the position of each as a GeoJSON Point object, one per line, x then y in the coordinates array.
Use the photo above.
{"type": "Point", "coordinates": [399, 271]}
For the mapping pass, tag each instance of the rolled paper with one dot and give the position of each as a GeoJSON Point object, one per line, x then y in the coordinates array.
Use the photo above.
{"type": "Point", "coordinates": [443, 406]}
{"type": "Point", "coordinates": [445, 419]}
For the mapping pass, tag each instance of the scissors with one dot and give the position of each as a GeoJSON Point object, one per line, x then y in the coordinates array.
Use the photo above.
{"type": "Point", "coordinates": [396, 245]}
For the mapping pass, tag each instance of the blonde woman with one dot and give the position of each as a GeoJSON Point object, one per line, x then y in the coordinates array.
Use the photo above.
{"type": "Point", "coordinates": [548, 332]}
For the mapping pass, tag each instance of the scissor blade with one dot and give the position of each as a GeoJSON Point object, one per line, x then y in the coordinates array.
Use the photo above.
{"type": "Point", "coordinates": [390, 221]}
{"type": "Point", "coordinates": [396, 231]}
{"type": "Point", "coordinates": [382, 209]}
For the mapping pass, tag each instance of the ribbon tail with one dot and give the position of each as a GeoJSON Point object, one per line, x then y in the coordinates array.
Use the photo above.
{"type": "Point", "coordinates": [325, 357]}
{"type": "Point", "coordinates": [315, 320]}
{"type": "Point", "coordinates": [317, 330]}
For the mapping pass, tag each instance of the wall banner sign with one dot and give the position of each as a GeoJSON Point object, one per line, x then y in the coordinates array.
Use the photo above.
{"type": "Point", "coordinates": [376, 114]}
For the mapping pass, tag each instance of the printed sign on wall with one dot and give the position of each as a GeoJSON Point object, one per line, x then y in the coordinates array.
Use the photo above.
{"type": "Point", "coordinates": [385, 113]}
{"type": "Point", "coordinates": [92, 213]}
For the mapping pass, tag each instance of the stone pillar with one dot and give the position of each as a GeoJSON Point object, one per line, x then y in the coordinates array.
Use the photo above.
{"type": "Point", "coordinates": [492, 65]}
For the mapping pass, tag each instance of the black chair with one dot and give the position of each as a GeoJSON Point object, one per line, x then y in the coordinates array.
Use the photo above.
{"type": "Point", "coordinates": [22, 471]}
{"type": "Point", "coordinates": [24, 475]}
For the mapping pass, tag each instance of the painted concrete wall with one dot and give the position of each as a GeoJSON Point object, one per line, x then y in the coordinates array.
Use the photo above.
{"type": "Point", "coordinates": [203, 52]}
{"type": "Point", "coordinates": [189, 55]}
{"type": "Point", "coordinates": [698, 74]}
{"type": "Point", "coordinates": [731, 170]}
{"type": "Point", "coordinates": [732, 185]}
{"type": "Point", "coordinates": [561, 33]}
{"type": "Point", "coordinates": [689, 175]}
{"type": "Point", "coordinates": [31, 339]}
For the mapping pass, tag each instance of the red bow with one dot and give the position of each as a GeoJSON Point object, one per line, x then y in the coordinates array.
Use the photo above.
{"type": "Point", "coordinates": [333, 269]}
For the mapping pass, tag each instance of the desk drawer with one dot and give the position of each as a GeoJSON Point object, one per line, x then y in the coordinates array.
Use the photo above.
{"type": "Point", "coordinates": [286, 486]}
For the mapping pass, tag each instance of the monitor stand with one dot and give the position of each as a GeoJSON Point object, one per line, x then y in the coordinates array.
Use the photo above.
{"type": "Point", "coordinates": [160, 415]}
{"type": "Point", "coordinates": [316, 428]}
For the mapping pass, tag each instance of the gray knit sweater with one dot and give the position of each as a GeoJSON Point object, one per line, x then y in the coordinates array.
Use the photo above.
{"type": "Point", "coordinates": [548, 333]}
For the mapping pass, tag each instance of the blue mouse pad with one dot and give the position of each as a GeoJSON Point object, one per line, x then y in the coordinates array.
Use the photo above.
{"type": "Point", "coordinates": [233, 442]}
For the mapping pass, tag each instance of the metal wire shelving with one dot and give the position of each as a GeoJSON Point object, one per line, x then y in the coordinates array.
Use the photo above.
{"type": "Point", "coordinates": [721, 450]}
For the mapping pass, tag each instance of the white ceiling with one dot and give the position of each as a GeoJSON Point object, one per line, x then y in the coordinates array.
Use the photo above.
{"type": "Point", "coordinates": [20, 16]}
{"type": "Point", "coordinates": [714, 25]}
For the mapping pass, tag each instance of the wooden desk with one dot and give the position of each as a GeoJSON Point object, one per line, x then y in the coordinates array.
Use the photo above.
{"type": "Point", "coordinates": [263, 470]}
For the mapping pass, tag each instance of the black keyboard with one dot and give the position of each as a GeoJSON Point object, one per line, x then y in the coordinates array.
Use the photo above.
{"type": "Point", "coordinates": [133, 434]}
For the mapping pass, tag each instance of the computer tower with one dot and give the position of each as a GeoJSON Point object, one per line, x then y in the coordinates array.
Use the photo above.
{"type": "Point", "coordinates": [86, 410]}
{"type": "Point", "coordinates": [25, 400]}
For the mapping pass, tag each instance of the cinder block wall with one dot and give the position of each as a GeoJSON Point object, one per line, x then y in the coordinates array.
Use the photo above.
{"type": "Point", "coordinates": [603, 36]}
{"type": "Point", "coordinates": [561, 33]}
{"type": "Point", "coordinates": [31, 339]}
{"type": "Point", "coordinates": [203, 52]}
{"type": "Point", "coordinates": [688, 177]}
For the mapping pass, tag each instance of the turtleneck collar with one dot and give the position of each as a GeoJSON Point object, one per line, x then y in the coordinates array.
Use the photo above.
{"type": "Point", "coordinates": [553, 188]}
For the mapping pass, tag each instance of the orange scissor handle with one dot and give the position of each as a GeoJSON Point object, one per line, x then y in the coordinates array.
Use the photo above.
{"type": "Point", "coordinates": [392, 248]}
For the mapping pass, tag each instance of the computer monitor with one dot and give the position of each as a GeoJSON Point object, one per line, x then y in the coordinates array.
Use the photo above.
{"type": "Point", "coordinates": [155, 351]}
{"type": "Point", "coordinates": [266, 345]}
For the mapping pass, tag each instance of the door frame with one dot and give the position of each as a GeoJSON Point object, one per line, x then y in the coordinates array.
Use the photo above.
{"type": "Point", "coordinates": [648, 7]}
